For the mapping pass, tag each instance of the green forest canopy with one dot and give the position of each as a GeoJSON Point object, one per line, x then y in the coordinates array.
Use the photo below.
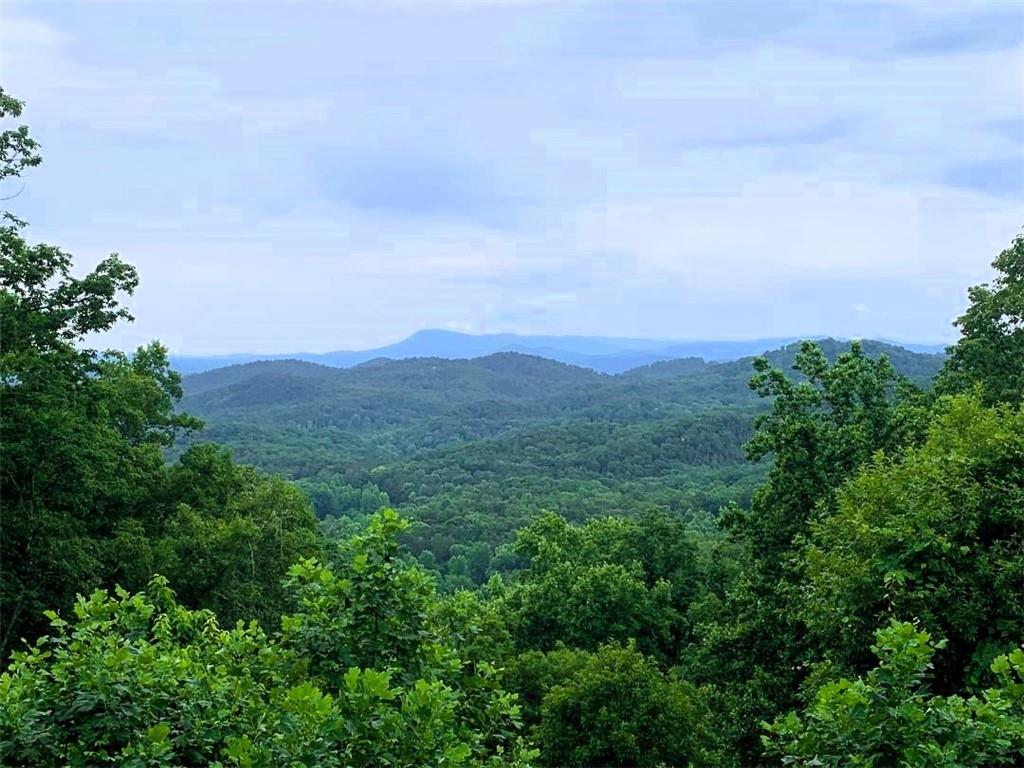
{"type": "Point", "coordinates": [471, 449]}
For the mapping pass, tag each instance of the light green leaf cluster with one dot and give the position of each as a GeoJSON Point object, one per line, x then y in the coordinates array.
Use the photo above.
{"type": "Point", "coordinates": [140, 680]}
{"type": "Point", "coordinates": [889, 718]}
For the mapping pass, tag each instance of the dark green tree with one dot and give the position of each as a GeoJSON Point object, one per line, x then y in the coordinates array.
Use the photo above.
{"type": "Point", "coordinates": [935, 534]}
{"type": "Point", "coordinates": [990, 352]}
{"type": "Point", "coordinates": [823, 424]}
{"type": "Point", "coordinates": [82, 432]}
{"type": "Point", "coordinates": [617, 708]}
{"type": "Point", "coordinates": [86, 497]}
{"type": "Point", "coordinates": [609, 579]}
{"type": "Point", "coordinates": [232, 536]}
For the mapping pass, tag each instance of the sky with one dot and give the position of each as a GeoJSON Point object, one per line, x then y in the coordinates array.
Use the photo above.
{"type": "Point", "coordinates": [301, 176]}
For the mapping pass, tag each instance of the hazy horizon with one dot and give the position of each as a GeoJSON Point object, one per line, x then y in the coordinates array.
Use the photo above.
{"type": "Point", "coordinates": [313, 177]}
{"type": "Point", "coordinates": [613, 338]}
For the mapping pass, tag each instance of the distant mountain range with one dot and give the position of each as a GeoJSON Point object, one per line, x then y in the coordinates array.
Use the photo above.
{"type": "Point", "coordinates": [599, 353]}
{"type": "Point", "coordinates": [301, 419]}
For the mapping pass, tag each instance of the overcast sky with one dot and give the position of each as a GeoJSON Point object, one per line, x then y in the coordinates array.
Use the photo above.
{"type": "Point", "coordinates": [300, 176]}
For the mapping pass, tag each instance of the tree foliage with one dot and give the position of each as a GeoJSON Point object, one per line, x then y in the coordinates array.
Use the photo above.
{"type": "Point", "coordinates": [888, 717]}
{"type": "Point", "coordinates": [821, 427]}
{"type": "Point", "coordinates": [617, 708]}
{"type": "Point", "coordinates": [82, 432]}
{"type": "Point", "coordinates": [142, 680]}
{"type": "Point", "coordinates": [608, 580]}
{"type": "Point", "coordinates": [937, 534]}
{"type": "Point", "coordinates": [18, 150]}
{"type": "Point", "coordinates": [991, 346]}
{"type": "Point", "coordinates": [87, 498]}
{"type": "Point", "coordinates": [823, 423]}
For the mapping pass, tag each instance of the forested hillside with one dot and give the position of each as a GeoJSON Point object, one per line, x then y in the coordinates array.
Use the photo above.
{"type": "Point", "coordinates": [471, 449]}
{"type": "Point", "coordinates": [811, 558]}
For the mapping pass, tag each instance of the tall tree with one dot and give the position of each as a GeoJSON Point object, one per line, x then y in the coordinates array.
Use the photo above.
{"type": "Point", "coordinates": [823, 424]}
{"type": "Point", "coordinates": [990, 352]}
{"type": "Point", "coordinates": [86, 497]}
{"type": "Point", "coordinates": [82, 432]}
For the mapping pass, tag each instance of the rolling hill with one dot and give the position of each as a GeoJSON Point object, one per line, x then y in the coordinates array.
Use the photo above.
{"type": "Point", "coordinates": [603, 354]}
{"type": "Point", "coordinates": [471, 449]}
{"type": "Point", "coordinates": [301, 418]}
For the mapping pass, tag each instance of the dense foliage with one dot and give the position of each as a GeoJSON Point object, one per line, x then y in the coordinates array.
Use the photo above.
{"type": "Point", "coordinates": [618, 708]}
{"type": "Point", "coordinates": [677, 566]}
{"type": "Point", "coordinates": [935, 533]}
{"type": "Point", "coordinates": [357, 676]}
{"type": "Point", "coordinates": [612, 579]}
{"type": "Point", "coordinates": [888, 717]}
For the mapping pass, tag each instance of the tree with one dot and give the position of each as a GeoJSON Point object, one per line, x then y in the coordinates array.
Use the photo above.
{"type": "Point", "coordinates": [87, 498]}
{"type": "Point", "coordinates": [990, 352]}
{"type": "Point", "coordinates": [141, 681]}
{"type": "Point", "coordinates": [935, 533]}
{"type": "Point", "coordinates": [616, 708]}
{"type": "Point", "coordinates": [374, 610]}
{"type": "Point", "coordinates": [888, 717]}
{"type": "Point", "coordinates": [82, 433]}
{"type": "Point", "coordinates": [18, 150]}
{"type": "Point", "coordinates": [821, 427]}
{"type": "Point", "coordinates": [376, 604]}
{"type": "Point", "coordinates": [609, 579]}
{"type": "Point", "coordinates": [232, 536]}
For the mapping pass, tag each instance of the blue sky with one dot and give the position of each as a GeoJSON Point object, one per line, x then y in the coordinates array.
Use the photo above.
{"type": "Point", "coordinates": [311, 176]}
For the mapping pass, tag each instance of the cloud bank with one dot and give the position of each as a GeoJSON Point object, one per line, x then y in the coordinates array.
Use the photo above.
{"type": "Point", "coordinates": [315, 176]}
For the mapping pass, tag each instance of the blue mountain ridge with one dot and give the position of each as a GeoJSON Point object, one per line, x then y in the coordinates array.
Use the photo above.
{"type": "Point", "coordinates": [600, 353]}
